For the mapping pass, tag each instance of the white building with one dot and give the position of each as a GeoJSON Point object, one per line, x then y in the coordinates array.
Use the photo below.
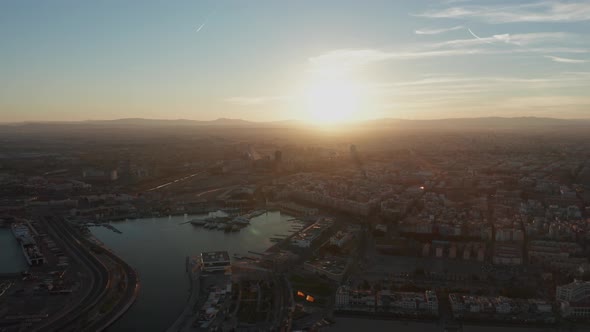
{"type": "Point", "coordinates": [573, 292]}
{"type": "Point", "coordinates": [573, 298]}
{"type": "Point", "coordinates": [574, 310]}
{"type": "Point", "coordinates": [215, 261]}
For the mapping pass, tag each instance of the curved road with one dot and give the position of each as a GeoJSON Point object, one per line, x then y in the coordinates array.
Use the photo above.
{"type": "Point", "coordinates": [128, 298]}
{"type": "Point", "coordinates": [99, 278]}
{"type": "Point", "coordinates": [99, 284]}
{"type": "Point", "coordinates": [175, 181]}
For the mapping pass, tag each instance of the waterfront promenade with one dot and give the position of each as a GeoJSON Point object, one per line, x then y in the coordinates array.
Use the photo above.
{"type": "Point", "coordinates": [188, 315]}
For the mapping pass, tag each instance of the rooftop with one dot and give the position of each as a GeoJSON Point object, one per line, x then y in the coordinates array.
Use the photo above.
{"type": "Point", "coordinates": [215, 256]}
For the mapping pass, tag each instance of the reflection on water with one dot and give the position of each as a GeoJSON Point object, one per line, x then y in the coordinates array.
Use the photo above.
{"type": "Point", "coordinates": [157, 247]}
{"type": "Point", "coordinates": [11, 256]}
{"type": "Point", "coordinates": [345, 324]}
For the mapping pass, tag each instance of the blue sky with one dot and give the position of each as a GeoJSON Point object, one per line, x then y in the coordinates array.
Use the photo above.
{"type": "Point", "coordinates": [77, 60]}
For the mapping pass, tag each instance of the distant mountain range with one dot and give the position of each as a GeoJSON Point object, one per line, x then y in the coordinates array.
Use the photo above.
{"type": "Point", "coordinates": [466, 123]}
{"type": "Point", "coordinates": [485, 122]}
{"type": "Point", "coordinates": [222, 122]}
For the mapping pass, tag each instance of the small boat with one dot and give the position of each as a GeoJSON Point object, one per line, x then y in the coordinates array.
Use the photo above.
{"type": "Point", "coordinates": [198, 222]}
{"type": "Point", "coordinates": [221, 226]}
{"type": "Point", "coordinates": [215, 219]}
{"type": "Point", "coordinates": [256, 213]}
{"type": "Point", "coordinates": [241, 220]}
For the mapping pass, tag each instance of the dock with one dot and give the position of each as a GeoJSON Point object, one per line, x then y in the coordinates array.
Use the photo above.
{"type": "Point", "coordinates": [286, 237]}
{"type": "Point", "coordinates": [112, 228]}
{"type": "Point", "coordinates": [186, 318]}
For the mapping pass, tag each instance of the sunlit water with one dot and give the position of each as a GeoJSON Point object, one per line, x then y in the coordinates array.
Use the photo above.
{"type": "Point", "coordinates": [157, 248]}
{"type": "Point", "coordinates": [12, 259]}
{"type": "Point", "coordinates": [344, 324]}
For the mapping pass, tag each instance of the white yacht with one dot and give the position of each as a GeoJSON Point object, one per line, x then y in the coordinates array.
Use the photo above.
{"type": "Point", "coordinates": [241, 220]}
{"type": "Point", "coordinates": [198, 222]}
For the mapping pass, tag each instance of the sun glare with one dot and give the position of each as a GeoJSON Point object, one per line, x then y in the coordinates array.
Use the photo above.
{"type": "Point", "coordinates": [332, 100]}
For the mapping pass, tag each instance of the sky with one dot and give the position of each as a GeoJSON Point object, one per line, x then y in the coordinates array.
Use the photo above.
{"type": "Point", "coordinates": [308, 60]}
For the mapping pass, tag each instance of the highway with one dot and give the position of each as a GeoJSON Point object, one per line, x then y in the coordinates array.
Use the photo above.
{"type": "Point", "coordinates": [184, 178]}
{"type": "Point", "coordinates": [75, 318]}
{"type": "Point", "coordinates": [284, 296]}
{"type": "Point", "coordinates": [128, 298]}
{"type": "Point", "coordinates": [99, 279]}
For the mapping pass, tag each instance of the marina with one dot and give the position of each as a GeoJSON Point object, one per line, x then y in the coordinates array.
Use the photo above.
{"type": "Point", "coordinates": [112, 228]}
{"type": "Point", "coordinates": [225, 221]}
{"type": "Point", "coordinates": [27, 243]}
{"type": "Point", "coordinates": [108, 226]}
{"type": "Point", "coordinates": [13, 261]}
{"type": "Point", "coordinates": [162, 264]}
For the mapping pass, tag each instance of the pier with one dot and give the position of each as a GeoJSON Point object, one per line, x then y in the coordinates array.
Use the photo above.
{"type": "Point", "coordinates": [112, 228]}
{"type": "Point", "coordinates": [287, 237]}
{"type": "Point", "coordinates": [189, 314]}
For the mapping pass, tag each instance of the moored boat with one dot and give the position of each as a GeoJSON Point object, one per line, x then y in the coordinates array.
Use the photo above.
{"type": "Point", "coordinates": [241, 220]}
{"type": "Point", "coordinates": [198, 222]}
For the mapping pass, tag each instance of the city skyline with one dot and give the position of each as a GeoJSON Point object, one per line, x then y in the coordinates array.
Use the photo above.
{"type": "Point", "coordinates": [327, 63]}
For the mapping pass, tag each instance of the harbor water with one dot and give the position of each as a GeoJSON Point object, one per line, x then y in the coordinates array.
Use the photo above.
{"type": "Point", "coordinates": [12, 259]}
{"type": "Point", "coordinates": [157, 248]}
{"type": "Point", "coordinates": [345, 324]}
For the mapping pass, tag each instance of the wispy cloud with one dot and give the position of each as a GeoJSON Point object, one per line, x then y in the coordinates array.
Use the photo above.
{"type": "Point", "coordinates": [448, 2]}
{"type": "Point", "coordinates": [476, 36]}
{"type": "Point", "coordinates": [565, 60]}
{"type": "Point", "coordinates": [465, 103]}
{"type": "Point", "coordinates": [344, 59]}
{"type": "Point", "coordinates": [427, 31]}
{"type": "Point", "coordinates": [257, 100]}
{"type": "Point", "coordinates": [512, 39]}
{"type": "Point", "coordinates": [466, 106]}
{"type": "Point", "coordinates": [541, 11]}
{"type": "Point", "coordinates": [553, 50]}
{"type": "Point", "coordinates": [477, 86]}
{"type": "Point", "coordinates": [351, 58]}
{"type": "Point", "coordinates": [491, 79]}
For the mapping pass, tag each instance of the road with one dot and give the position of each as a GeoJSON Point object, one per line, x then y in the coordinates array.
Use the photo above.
{"type": "Point", "coordinates": [214, 190]}
{"type": "Point", "coordinates": [75, 318]}
{"type": "Point", "coordinates": [127, 299]}
{"type": "Point", "coordinates": [286, 305]}
{"type": "Point", "coordinates": [175, 181]}
{"type": "Point", "coordinates": [99, 279]}
{"type": "Point", "coordinates": [189, 310]}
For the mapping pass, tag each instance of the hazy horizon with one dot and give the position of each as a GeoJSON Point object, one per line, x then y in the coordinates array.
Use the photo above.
{"type": "Point", "coordinates": [222, 119]}
{"type": "Point", "coordinates": [326, 63]}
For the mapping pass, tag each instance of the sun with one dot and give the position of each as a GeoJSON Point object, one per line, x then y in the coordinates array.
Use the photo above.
{"type": "Point", "coordinates": [332, 100]}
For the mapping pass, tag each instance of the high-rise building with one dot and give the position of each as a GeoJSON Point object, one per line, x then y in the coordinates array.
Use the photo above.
{"type": "Point", "coordinates": [575, 291]}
